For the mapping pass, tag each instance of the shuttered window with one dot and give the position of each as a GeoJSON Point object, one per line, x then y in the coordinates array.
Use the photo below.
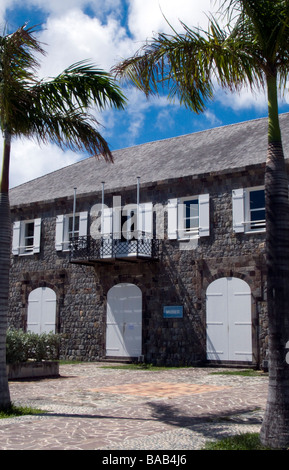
{"type": "Point", "coordinates": [249, 210]}
{"type": "Point", "coordinates": [26, 237]}
{"type": "Point", "coordinates": [64, 229]}
{"type": "Point", "coordinates": [189, 217]}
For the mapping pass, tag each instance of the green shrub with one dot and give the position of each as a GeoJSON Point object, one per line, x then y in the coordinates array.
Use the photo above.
{"type": "Point", "coordinates": [247, 441]}
{"type": "Point", "coordinates": [22, 347]}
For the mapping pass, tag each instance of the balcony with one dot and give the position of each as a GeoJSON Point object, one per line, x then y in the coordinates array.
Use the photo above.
{"type": "Point", "coordinates": [90, 251]}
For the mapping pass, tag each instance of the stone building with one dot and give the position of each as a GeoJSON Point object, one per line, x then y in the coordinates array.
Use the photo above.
{"type": "Point", "coordinates": [158, 256]}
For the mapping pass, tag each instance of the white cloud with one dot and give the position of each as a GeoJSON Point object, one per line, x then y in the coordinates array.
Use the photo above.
{"type": "Point", "coordinates": [243, 100]}
{"type": "Point", "coordinates": [149, 17]}
{"type": "Point", "coordinates": [212, 119]}
{"type": "Point", "coordinates": [75, 36]}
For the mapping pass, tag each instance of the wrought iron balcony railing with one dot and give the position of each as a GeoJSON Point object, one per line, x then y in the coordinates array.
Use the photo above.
{"type": "Point", "coordinates": [89, 250]}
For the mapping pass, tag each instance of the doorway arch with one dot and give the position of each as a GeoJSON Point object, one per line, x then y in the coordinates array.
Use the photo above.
{"type": "Point", "coordinates": [229, 320]}
{"type": "Point", "coordinates": [124, 321]}
{"type": "Point", "coordinates": [41, 314]}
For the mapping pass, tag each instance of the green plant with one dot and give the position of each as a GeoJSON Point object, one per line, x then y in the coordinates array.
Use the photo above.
{"type": "Point", "coordinates": [247, 441]}
{"type": "Point", "coordinates": [16, 348]}
{"type": "Point", "coordinates": [13, 410]}
{"type": "Point", "coordinates": [21, 346]}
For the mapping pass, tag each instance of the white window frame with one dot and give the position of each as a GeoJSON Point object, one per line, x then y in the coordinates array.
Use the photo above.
{"type": "Point", "coordinates": [249, 224]}
{"type": "Point", "coordinates": [68, 232]}
{"type": "Point", "coordinates": [176, 218]}
{"type": "Point", "coordinates": [62, 232]}
{"type": "Point", "coordinates": [183, 231]}
{"type": "Point", "coordinates": [242, 222]}
{"type": "Point", "coordinates": [19, 245]}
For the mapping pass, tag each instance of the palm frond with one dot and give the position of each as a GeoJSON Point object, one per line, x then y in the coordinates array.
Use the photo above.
{"type": "Point", "coordinates": [166, 64]}
{"type": "Point", "coordinates": [17, 70]}
{"type": "Point", "coordinates": [74, 130]}
{"type": "Point", "coordinates": [17, 52]}
{"type": "Point", "coordinates": [82, 85]}
{"type": "Point", "coordinates": [189, 64]}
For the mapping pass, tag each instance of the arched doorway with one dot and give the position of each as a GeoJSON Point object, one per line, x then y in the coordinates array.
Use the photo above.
{"type": "Point", "coordinates": [41, 315]}
{"type": "Point", "coordinates": [229, 320]}
{"type": "Point", "coordinates": [124, 321]}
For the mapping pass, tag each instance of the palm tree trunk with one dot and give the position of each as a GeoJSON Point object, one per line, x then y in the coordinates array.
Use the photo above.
{"type": "Point", "coordinates": [275, 428]}
{"type": "Point", "coordinates": [5, 250]}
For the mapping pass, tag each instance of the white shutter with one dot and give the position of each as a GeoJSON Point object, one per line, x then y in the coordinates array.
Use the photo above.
{"type": "Point", "coordinates": [238, 196]}
{"type": "Point", "coordinates": [106, 228]}
{"type": "Point", "coordinates": [172, 211]}
{"type": "Point", "coordinates": [204, 215]}
{"type": "Point", "coordinates": [145, 219]}
{"type": "Point", "coordinates": [65, 237]}
{"type": "Point", "coordinates": [37, 235]}
{"type": "Point", "coordinates": [16, 238]}
{"type": "Point", "coordinates": [59, 232]}
{"type": "Point", "coordinates": [22, 237]}
{"type": "Point", "coordinates": [106, 231]}
{"type": "Point", "coordinates": [117, 223]}
{"type": "Point", "coordinates": [83, 218]}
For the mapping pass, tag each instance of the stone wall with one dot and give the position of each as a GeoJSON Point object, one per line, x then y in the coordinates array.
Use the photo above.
{"type": "Point", "coordinates": [179, 277]}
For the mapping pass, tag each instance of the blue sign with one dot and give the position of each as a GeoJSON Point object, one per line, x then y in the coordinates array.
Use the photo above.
{"type": "Point", "coordinates": [173, 311]}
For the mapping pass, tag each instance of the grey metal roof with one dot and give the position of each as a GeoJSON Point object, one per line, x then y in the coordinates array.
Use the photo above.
{"type": "Point", "coordinates": [216, 150]}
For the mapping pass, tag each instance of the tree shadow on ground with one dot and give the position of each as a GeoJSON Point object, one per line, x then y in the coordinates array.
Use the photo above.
{"type": "Point", "coordinates": [211, 425]}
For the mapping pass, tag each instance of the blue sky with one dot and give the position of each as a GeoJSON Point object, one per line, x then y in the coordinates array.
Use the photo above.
{"type": "Point", "coordinates": [104, 32]}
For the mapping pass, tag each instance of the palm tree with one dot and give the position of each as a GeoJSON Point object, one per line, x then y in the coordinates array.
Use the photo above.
{"type": "Point", "coordinates": [55, 110]}
{"type": "Point", "coordinates": [251, 51]}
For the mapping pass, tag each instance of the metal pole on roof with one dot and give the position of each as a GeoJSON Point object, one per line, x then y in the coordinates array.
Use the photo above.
{"type": "Point", "coordinates": [74, 210]}
{"type": "Point", "coordinates": [137, 205]}
{"type": "Point", "coordinates": [138, 182]}
{"type": "Point", "coordinates": [102, 206]}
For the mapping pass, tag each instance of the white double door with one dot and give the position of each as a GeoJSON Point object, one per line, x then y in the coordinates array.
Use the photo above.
{"type": "Point", "coordinates": [229, 320]}
{"type": "Point", "coordinates": [124, 321]}
{"type": "Point", "coordinates": [41, 316]}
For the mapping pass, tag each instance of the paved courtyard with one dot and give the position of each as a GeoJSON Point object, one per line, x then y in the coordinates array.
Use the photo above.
{"type": "Point", "coordinates": [90, 407]}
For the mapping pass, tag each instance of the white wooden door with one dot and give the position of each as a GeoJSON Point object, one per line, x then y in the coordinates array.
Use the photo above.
{"type": "Point", "coordinates": [41, 314]}
{"type": "Point", "coordinates": [124, 321]}
{"type": "Point", "coordinates": [229, 324]}
{"type": "Point", "coordinates": [217, 321]}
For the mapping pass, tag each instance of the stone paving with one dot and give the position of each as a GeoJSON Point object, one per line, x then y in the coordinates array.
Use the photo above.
{"type": "Point", "coordinates": [90, 407]}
